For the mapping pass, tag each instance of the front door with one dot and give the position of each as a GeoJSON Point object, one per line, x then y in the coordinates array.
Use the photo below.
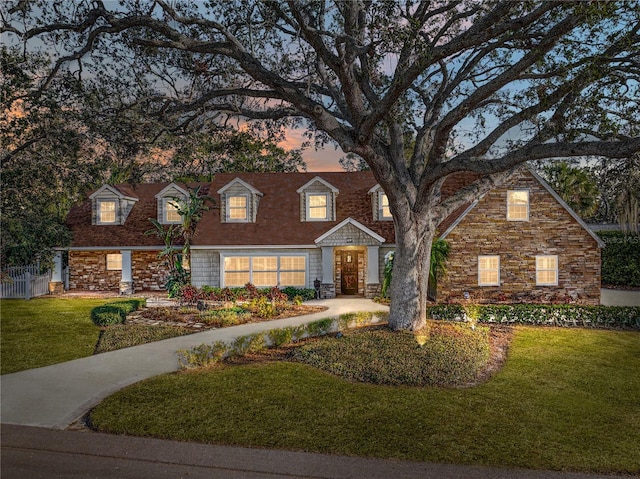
{"type": "Point", "coordinates": [349, 282]}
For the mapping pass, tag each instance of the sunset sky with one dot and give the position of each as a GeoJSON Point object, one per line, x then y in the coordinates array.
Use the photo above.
{"type": "Point", "coordinates": [321, 160]}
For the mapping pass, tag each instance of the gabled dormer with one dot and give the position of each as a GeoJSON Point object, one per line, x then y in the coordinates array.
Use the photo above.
{"type": "Point", "coordinates": [166, 204]}
{"type": "Point", "coordinates": [317, 200]}
{"type": "Point", "coordinates": [239, 202]}
{"type": "Point", "coordinates": [380, 204]}
{"type": "Point", "coordinates": [110, 205]}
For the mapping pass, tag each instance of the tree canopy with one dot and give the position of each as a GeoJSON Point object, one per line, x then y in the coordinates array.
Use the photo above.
{"type": "Point", "coordinates": [480, 86]}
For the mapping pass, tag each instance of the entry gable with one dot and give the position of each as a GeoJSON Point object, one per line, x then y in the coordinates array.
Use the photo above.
{"type": "Point", "coordinates": [350, 232]}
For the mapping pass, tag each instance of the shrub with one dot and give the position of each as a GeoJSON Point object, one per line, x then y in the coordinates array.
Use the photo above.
{"type": "Point", "coordinates": [107, 314]}
{"type": "Point", "coordinates": [128, 305]}
{"type": "Point", "coordinates": [205, 355]}
{"type": "Point", "coordinates": [453, 354]}
{"type": "Point", "coordinates": [320, 327]}
{"type": "Point", "coordinates": [620, 258]}
{"type": "Point", "coordinates": [306, 294]}
{"type": "Point", "coordinates": [188, 294]}
{"type": "Point", "coordinates": [226, 317]}
{"type": "Point", "coordinates": [263, 307]}
{"type": "Point", "coordinates": [280, 336]}
{"type": "Point", "coordinates": [252, 343]}
{"type": "Point", "coordinates": [543, 314]}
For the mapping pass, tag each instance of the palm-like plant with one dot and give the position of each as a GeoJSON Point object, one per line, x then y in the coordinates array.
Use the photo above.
{"type": "Point", "coordinates": [575, 186]}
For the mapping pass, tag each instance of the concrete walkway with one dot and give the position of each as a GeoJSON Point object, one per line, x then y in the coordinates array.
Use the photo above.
{"type": "Point", "coordinates": [56, 396]}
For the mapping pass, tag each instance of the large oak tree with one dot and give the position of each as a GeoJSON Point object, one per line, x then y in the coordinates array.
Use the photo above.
{"type": "Point", "coordinates": [480, 86]}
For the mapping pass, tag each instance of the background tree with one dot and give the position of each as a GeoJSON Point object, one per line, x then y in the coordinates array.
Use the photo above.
{"type": "Point", "coordinates": [575, 185]}
{"type": "Point", "coordinates": [480, 86]}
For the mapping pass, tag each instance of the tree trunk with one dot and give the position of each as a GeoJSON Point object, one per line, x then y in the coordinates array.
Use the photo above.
{"type": "Point", "coordinates": [410, 279]}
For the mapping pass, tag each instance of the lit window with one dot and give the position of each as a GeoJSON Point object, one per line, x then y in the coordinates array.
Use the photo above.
{"type": "Point", "coordinates": [171, 214]}
{"type": "Point", "coordinates": [237, 208]}
{"type": "Point", "coordinates": [114, 262]}
{"type": "Point", "coordinates": [317, 207]}
{"type": "Point", "coordinates": [106, 212]}
{"type": "Point", "coordinates": [292, 271]}
{"type": "Point", "coordinates": [384, 212]}
{"type": "Point", "coordinates": [518, 205]}
{"type": "Point", "coordinates": [265, 271]}
{"type": "Point", "coordinates": [236, 271]}
{"type": "Point", "coordinates": [547, 270]}
{"type": "Point", "coordinates": [489, 270]}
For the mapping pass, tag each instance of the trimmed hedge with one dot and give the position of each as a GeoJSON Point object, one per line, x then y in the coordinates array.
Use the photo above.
{"type": "Point", "coordinates": [620, 258]}
{"type": "Point", "coordinates": [627, 317]}
{"type": "Point", "coordinates": [115, 312]}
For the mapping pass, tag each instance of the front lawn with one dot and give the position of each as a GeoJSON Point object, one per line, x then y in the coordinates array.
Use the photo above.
{"type": "Point", "coordinates": [45, 331]}
{"type": "Point", "coordinates": [566, 399]}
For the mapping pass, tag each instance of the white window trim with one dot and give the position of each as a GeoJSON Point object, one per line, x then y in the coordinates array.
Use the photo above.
{"type": "Point", "coordinates": [480, 283]}
{"type": "Point", "coordinates": [528, 205]}
{"type": "Point", "coordinates": [107, 262]}
{"type": "Point", "coordinates": [327, 207]}
{"type": "Point", "coordinates": [228, 208]}
{"type": "Point", "coordinates": [165, 218]}
{"type": "Point", "coordinates": [381, 216]}
{"type": "Point", "coordinates": [99, 211]}
{"type": "Point", "coordinates": [251, 255]}
{"type": "Point", "coordinates": [555, 256]}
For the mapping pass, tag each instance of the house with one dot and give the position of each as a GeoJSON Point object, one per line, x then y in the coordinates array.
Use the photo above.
{"type": "Point", "coordinates": [517, 242]}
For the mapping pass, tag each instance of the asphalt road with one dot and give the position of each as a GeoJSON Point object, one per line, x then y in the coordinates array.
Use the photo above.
{"type": "Point", "coordinates": [34, 453]}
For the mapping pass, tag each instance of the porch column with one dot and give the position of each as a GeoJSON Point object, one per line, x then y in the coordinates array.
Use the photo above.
{"type": "Point", "coordinates": [126, 282]}
{"type": "Point", "coordinates": [56, 285]}
{"type": "Point", "coordinates": [327, 288]}
{"type": "Point", "coordinates": [373, 267]}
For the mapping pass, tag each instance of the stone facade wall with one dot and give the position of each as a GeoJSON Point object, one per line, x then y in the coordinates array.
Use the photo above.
{"type": "Point", "coordinates": [551, 230]}
{"type": "Point", "coordinates": [88, 271]}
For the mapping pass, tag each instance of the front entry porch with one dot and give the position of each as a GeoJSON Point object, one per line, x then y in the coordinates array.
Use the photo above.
{"type": "Point", "coordinates": [350, 261]}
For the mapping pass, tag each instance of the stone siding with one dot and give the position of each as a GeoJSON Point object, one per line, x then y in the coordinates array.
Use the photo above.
{"type": "Point", "coordinates": [551, 230]}
{"type": "Point", "coordinates": [88, 271]}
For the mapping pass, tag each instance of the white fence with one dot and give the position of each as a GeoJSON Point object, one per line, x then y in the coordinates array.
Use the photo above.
{"type": "Point", "coordinates": [25, 282]}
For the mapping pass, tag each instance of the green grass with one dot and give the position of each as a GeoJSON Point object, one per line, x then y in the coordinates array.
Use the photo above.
{"type": "Point", "coordinates": [120, 336]}
{"type": "Point", "coordinates": [45, 331]}
{"type": "Point", "coordinates": [567, 399]}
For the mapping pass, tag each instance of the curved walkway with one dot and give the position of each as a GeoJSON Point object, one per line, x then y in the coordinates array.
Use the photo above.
{"type": "Point", "coordinates": [56, 396]}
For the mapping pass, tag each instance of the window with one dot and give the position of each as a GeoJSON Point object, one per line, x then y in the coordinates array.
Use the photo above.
{"type": "Point", "coordinates": [114, 262]}
{"type": "Point", "coordinates": [171, 214]}
{"type": "Point", "coordinates": [237, 208]}
{"type": "Point", "coordinates": [106, 212]}
{"type": "Point", "coordinates": [237, 271]}
{"type": "Point", "coordinates": [265, 271]}
{"type": "Point", "coordinates": [489, 270]}
{"type": "Point", "coordinates": [547, 270]}
{"type": "Point", "coordinates": [518, 205]}
{"type": "Point", "coordinates": [317, 207]}
{"type": "Point", "coordinates": [384, 212]}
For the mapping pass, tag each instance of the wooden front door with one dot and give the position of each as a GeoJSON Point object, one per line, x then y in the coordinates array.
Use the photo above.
{"type": "Point", "coordinates": [349, 264]}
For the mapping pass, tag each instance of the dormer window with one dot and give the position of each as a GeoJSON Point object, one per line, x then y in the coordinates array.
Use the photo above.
{"type": "Point", "coordinates": [380, 204]}
{"type": "Point", "coordinates": [317, 207]}
{"type": "Point", "coordinates": [239, 202]}
{"type": "Point", "coordinates": [170, 209]}
{"type": "Point", "coordinates": [111, 205]}
{"type": "Point", "coordinates": [384, 212]}
{"type": "Point", "coordinates": [106, 212]}
{"type": "Point", "coordinates": [237, 208]}
{"type": "Point", "coordinates": [317, 200]}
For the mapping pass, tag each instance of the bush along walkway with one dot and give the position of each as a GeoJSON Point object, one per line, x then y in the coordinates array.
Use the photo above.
{"type": "Point", "coordinates": [55, 396]}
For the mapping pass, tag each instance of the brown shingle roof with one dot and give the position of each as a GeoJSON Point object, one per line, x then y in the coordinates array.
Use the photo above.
{"type": "Point", "coordinates": [278, 219]}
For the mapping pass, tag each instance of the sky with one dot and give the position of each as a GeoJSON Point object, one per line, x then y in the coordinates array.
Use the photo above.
{"type": "Point", "coordinates": [325, 159]}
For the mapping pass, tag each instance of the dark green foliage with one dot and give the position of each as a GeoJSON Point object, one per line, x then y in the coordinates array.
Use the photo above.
{"type": "Point", "coordinates": [114, 312]}
{"type": "Point", "coordinates": [107, 315]}
{"type": "Point", "coordinates": [280, 336]}
{"type": "Point", "coordinates": [453, 355]}
{"type": "Point", "coordinates": [307, 294]}
{"type": "Point", "coordinates": [320, 327]}
{"type": "Point", "coordinates": [620, 258]}
{"type": "Point", "coordinates": [121, 336]}
{"type": "Point", "coordinates": [544, 314]}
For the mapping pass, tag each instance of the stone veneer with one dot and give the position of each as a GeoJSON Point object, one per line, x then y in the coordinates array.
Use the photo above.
{"type": "Point", "coordinates": [88, 271]}
{"type": "Point", "coordinates": [551, 230]}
